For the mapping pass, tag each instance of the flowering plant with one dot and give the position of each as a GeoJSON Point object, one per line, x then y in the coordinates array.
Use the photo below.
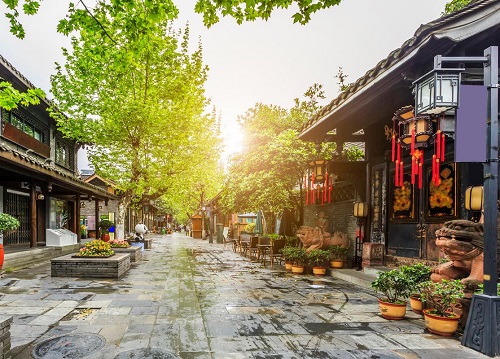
{"type": "Point", "coordinates": [119, 243]}
{"type": "Point", "coordinates": [96, 248]}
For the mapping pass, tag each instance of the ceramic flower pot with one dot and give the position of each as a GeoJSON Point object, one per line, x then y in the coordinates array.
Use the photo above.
{"type": "Point", "coordinates": [416, 304]}
{"type": "Point", "coordinates": [105, 237]}
{"type": "Point", "coordinates": [392, 311]}
{"type": "Point", "coordinates": [319, 271]}
{"type": "Point", "coordinates": [297, 269]}
{"type": "Point", "coordinates": [445, 326]}
{"type": "Point", "coordinates": [288, 266]}
{"type": "Point", "coordinates": [336, 264]}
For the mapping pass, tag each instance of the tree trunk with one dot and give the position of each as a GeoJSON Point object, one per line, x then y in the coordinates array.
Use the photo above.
{"type": "Point", "coordinates": [121, 210]}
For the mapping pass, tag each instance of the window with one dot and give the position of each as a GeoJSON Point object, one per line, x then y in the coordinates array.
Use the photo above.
{"type": "Point", "coordinates": [24, 125]}
{"type": "Point", "coordinates": [64, 153]}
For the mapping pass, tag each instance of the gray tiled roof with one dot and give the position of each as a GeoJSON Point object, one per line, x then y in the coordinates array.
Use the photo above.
{"type": "Point", "coordinates": [420, 36]}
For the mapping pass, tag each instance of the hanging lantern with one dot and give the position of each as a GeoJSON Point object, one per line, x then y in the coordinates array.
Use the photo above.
{"type": "Point", "coordinates": [437, 91]}
{"type": "Point", "coordinates": [413, 133]}
{"type": "Point", "coordinates": [319, 169]}
{"type": "Point", "coordinates": [360, 209]}
{"type": "Point", "coordinates": [316, 189]}
{"type": "Point", "coordinates": [417, 131]}
{"type": "Point", "coordinates": [474, 198]}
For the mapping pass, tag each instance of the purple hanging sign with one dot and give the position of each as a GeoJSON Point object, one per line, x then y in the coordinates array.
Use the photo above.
{"type": "Point", "coordinates": [470, 124]}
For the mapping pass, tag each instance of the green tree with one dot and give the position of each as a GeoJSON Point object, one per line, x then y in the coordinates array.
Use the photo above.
{"type": "Point", "coordinates": [10, 98]}
{"type": "Point", "coordinates": [455, 5]}
{"type": "Point", "coordinates": [132, 91]}
{"type": "Point", "coordinates": [241, 10]}
{"type": "Point", "coordinates": [268, 173]}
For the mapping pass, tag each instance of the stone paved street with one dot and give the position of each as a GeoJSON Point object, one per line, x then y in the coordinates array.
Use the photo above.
{"type": "Point", "coordinates": [191, 299]}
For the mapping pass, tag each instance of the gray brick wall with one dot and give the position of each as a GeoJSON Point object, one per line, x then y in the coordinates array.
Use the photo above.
{"type": "Point", "coordinates": [5, 340]}
{"type": "Point", "coordinates": [340, 218]}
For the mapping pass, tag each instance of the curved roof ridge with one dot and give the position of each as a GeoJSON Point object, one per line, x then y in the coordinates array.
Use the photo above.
{"type": "Point", "coordinates": [396, 55]}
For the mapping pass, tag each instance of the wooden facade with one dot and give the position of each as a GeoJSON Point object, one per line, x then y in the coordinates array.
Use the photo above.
{"type": "Point", "coordinates": [405, 218]}
{"type": "Point", "coordinates": [38, 171]}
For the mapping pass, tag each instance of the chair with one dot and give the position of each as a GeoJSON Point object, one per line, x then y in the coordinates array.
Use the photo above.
{"type": "Point", "coordinates": [275, 251]}
{"type": "Point", "coordinates": [226, 239]}
{"type": "Point", "coordinates": [243, 242]}
{"type": "Point", "coordinates": [263, 247]}
{"type": "Point", "coordinates": [252, 247]}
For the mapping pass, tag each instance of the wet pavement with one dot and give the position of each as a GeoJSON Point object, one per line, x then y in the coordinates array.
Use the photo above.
{"type": "Point", "coordinates": [190, 299]}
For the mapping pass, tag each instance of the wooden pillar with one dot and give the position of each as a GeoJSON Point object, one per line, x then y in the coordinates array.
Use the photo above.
{"type": "Point", "coordinates": [97, 230]}
{"type": "Point", "coordinates": [33, 218]}
{"type": "Point", "coordinates": [77, 218]}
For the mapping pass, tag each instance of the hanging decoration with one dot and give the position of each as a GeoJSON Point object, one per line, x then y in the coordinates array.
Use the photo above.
{"type": "Point", "coordinates": [318, 183]}
{"type": "Point", "coordinates": [415, 133]}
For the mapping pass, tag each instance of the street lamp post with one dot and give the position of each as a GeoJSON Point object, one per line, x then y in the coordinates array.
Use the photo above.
{"type": "Point", "coordinates": [483, 323]}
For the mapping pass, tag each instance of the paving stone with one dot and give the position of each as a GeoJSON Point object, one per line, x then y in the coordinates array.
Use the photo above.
{"type": "Point", "coordinates": [192, 299]}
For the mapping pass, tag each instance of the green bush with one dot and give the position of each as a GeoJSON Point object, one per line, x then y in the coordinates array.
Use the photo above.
{"type": "Point", "coordinates": [417, 273]}
{"type": "Point", "coordinates": [318, 257]}
{"type": "Point", "coordinates": [394, 284]}
{"type": "Point", "coordinates": [442, 295]}
{"type": "Point", "coordinates": [8, 223]}
{"type": "Point", "coordinates": [105, 225]}
{"type": "Point", "coordinates": [337, 253]}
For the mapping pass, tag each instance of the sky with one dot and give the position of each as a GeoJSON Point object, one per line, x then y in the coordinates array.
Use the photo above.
{"type": "Point", "coordinates": [269, 62]}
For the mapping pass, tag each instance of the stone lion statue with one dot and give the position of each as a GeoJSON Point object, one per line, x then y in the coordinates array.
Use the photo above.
{"type": "Point", "coordinates": [317, 238]}
{"type": "Point", "coordinates": [462, 243]}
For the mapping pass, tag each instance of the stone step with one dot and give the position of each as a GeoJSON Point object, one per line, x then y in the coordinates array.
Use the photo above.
{"type": "Point", "coordinates": [34, 256]}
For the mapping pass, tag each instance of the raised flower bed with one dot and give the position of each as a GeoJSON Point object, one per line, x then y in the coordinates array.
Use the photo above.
{"type": "Point", "coordinates": [122, 246]}
{"type": "Point", "coordinates": [95, 260]}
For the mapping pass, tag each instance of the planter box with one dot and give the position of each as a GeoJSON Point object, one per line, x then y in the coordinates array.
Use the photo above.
{"type": "Point", "coordinates": [135, 252]}
{"type": "Point", "coordinates": [113, 267]}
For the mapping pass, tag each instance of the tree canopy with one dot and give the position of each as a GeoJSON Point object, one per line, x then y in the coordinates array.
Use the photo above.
{"type": "Point", "coordinates": [268, 173]}
{"type": "Point", "coordinates": [132, 91]}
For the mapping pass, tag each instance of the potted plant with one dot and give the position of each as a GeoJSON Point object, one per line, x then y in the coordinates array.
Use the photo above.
{"type": "Point", "coordinates": [417, 273]}
{"type": "Point", "coordinates": [318, 259]}
{"type": "Point", "coordinates": [441, 297]}
{"type": "Point", "coordinates": [299, 258]}
{"type": "Point", "coordinates": [288, 255]}
{"type": "Point", "coordinates": [338, 255]}
{"type": "Point", "coordinates": [7, 223]}
{"type": "Point", "coordinates": [396, 287]}
{"type": "Point", "coordinates": [104, 226]}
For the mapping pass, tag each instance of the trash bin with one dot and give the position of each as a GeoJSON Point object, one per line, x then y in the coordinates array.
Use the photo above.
{"type": "Point", "coordinates": [220, 232]}
{"type": "Point", "coordinates": [163, 230]}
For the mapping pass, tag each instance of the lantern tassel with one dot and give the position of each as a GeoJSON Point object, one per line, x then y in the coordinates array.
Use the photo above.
{"type": "Point", "coordinates": [312, 189]}
{"type": "Point", "coordinates": [396, 177]}
{"type": "Point", "coordinates": [442, 146]}
{"type": "Point", "coordinates": [412, 151]}
{"type": "Point", "coordinates": [325, 187]}
{"type": "Point", "coordinates": [438, 140]}
{"type": "Point", "coordinates": [401, 172]}
{"type": "Point", "coordinates": [306, 189]}
{"type": "Point", "coordinates": [393, 152]}
{"type": "Point", "coordinates": [420, 169]}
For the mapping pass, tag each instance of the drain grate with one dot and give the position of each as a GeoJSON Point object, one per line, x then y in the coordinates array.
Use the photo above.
{"type": "Point", "coordinates": [71, 346]}
{"type": "Point", "coordinates": [147, 353]}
